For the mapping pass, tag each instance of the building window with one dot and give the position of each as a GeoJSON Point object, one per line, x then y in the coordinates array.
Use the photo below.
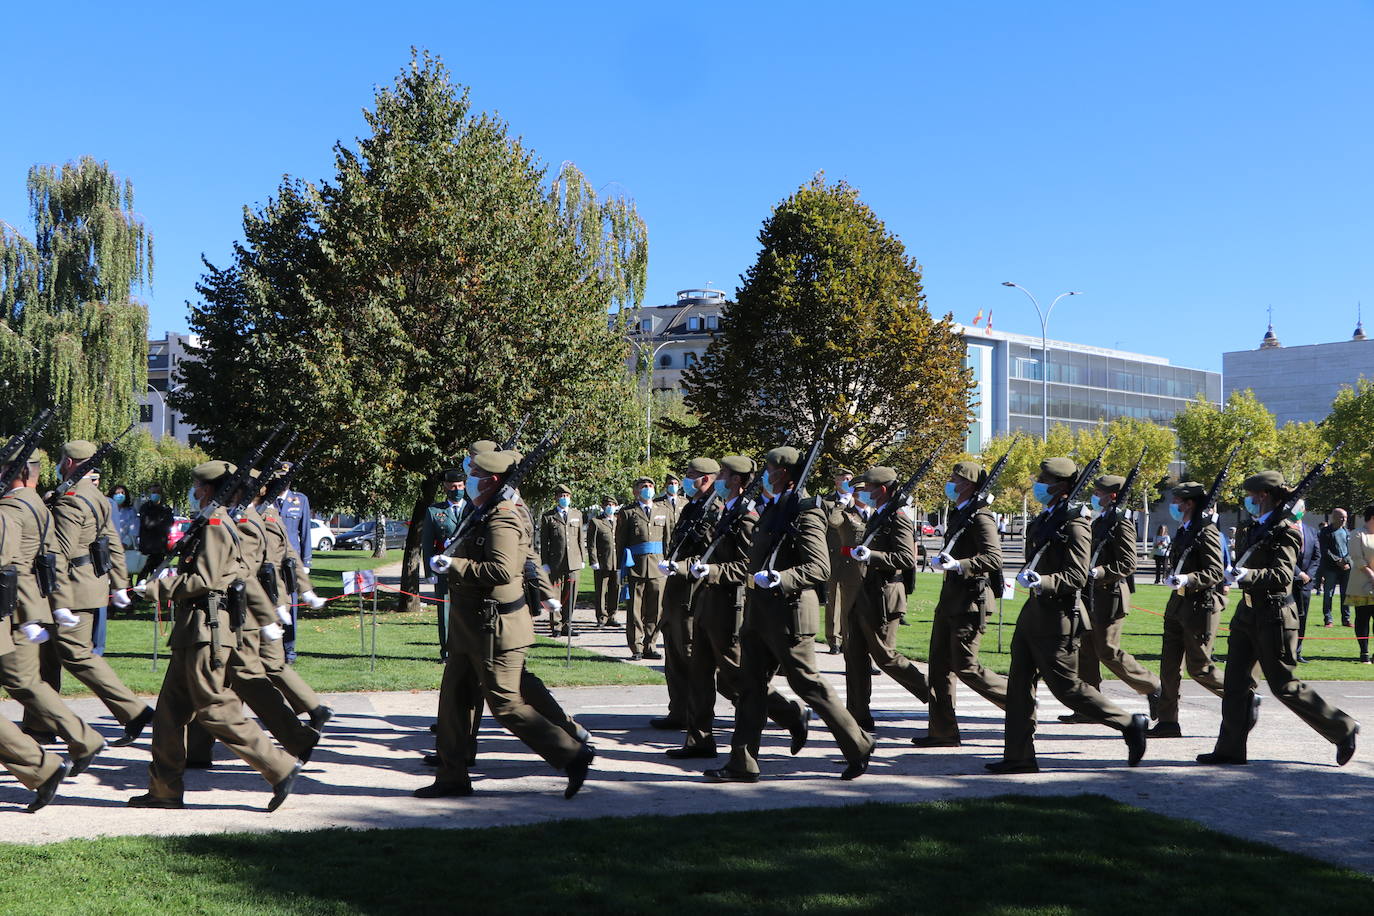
{"type": "Point", "coordinates": [665, 361]}
{"type": "Point", "coordinates": [694, 323]}
{"type": "Point", "coordinates": [713, 322]}
{"type": "Point", "coordinates": [145, 413]}
{"type": "Point", "coordinates": [689, 358]}
{"type": "Point", "coordinates": [646, 326]}
{"type": "Point", "coordinates": [172, 425]}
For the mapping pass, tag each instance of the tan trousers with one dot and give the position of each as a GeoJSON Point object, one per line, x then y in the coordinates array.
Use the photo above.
{"type": "Point", "coordinates": [298, 693]}
{"type": "Point", "coordinates": [605, 594]}
{"type": "Point", "coordinates": [873, 634]}
{"type": "Point", "coordinates": [25, 758]}
{"type": "Point", "coordinates": [74, 650]}
{"type": "Point", "coordinates": [1102, 647]}
{"type": "Point", "coordinates": [43, 708]}
{"type": "Point", "coordinates": [641, 613]}
{"type": "Point", "coordinates": [676, 623]}
{"type": "Point", "coordinates": [1184, 644]}
{"type": "Point", "coordinates": [247, 678]}
{"type": "Point", "coordinates": [954, 654]}
{"type": "Point", "coordinates": [838, 600]}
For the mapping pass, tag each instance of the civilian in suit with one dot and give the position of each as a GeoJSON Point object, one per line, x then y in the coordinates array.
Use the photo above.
{"type": "Point", "coordinates": [1304, 574]}
{"type": "Point", "coordinates": [1334, 571]}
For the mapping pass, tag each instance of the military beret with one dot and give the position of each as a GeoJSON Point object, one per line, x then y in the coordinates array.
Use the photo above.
{"type": "Point", "coordinates": [839, 471]}
{"type": "Point", "coordinates": [1109, 483]}
{"type": "Point", "coordinates": [783, 456]}
{"type": "Point", "coordinates": [670, 476]}
{"type": "Point", "coordinates": [211, 471]}
{"type": "Point", "coordinates": [879, 475]}
{"type": "Point", "coordinates": [453, 475]}
{"type": "Point", "coordinates": [703, 466]}
{"type": "Point", "coordinates": [608, 499]}
{"type": "Point", "coordinates": [480, 446]}
{"type": "Point", "coordinates": [1264, 481]}
{"type": "Point", "coordinates": [78, 450]}
{"type": "Point", "coordinates": [738, 464]}
{"type": "Point", "coordinates": [562, 490]}
{"type": "Point", "coordinates": [11, 454]}
{"type": "Point", "coordinates": [971, 471]}
{"type": "Point", "coordinates": [1061, 468]}
{"type": "Point", "coordinates": [640, 480]}
{"type": "Point", "coordinates": [1189, 489]}
{"type": "Point", "coordinates": [494, 462]}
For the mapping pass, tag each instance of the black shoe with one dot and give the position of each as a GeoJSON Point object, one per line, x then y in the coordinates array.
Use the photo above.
{"type": "Point", "coordinates": [431, 760]}
{"type": "Point", "coordinates": [1215, 759]}
{"type": "Point", "coordinates": [905, 622]}
{"type": "Point", "coordinates": [577, 770]}
{"type": "Point", "coordinates": [322, 714]}
{"type": "Point", "coordinates": [1254, 713]}
{"type": "Point", "coordinates": [653, 654]}
{"type": "Point", "coordinates": [1153, 698]}
{"type": "Point", "coordinates": [693, 751]}
{"type": "Point", "coordinates": [613, 623]}
{"type": "Point", "coordinates": [283, 788]}
{"type": "Point", "coordinates": [304, 757]}
{"type": "Point", "coordinates": [80, 764]}
{"type": "Point", "coordinates": [858, 767]}
{"type": "Point", "coordinates": [1074, 718]}
{"type": "Point", "coordinates": [199, 764]}
{"type": "Point", "coordinates": [444, 790]}
{"type": "Point", "coordinates": [434, 728]}
{"type": "Point", "coordinates": [37, 734]}
{"type": "Point", "coordinates": [1346, 749]}
{"type": "Point", "coordinates": [48, 789]}
{"type": "Point", "coordinates": [1137, 735]}
{"type": "Point", "coordinates": [928, 741]}
{"type": "Point", "coordinates": [834, 648]}
{"type": "Point", "coordinates": [666, 724]}
{"type": "Point", "coordinates": [636, 657]}
{"type": "Point", "coordinates": [565, 631]}
{"type": "Point", "coordinates": [801, 731]}
{"type": "Point", "coordinates": [134, 729]}
{"type": "Point", "coordinates": [725, 774]}
{"type": "Point", "coordinates": [154, 801]}
{"type": "Point", "coordinates": [1166, 730]}
{"type": "Point", "coordinates": [1007, 767]}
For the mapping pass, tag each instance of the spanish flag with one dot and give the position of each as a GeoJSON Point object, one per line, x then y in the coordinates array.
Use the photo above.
{"type": "Point", "coordinates": [977, 318]}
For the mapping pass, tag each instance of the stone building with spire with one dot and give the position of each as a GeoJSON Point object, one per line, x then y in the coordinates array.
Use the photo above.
{"type": "Point", "coordinates": [1298, 383]}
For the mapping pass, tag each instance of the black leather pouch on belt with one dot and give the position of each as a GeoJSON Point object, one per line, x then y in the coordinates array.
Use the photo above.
{"type": "Point", "coordinates": [267, 577]}
{"type": "Point", "coordinates": [101, 562]}
{"type": "Point", "coordinates": [289, 574]}
{"type": "Point", "coordinates": [9, 590]}
{"type": "Point", "coordinates": [45, 571]}
{"type": "Point", "coordinates": [236, 603]}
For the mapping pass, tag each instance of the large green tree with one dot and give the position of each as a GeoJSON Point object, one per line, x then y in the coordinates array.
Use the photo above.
{"type": "Point", "coordinates": [71, 331]}
{"type": "Point", "coordinates": [438, 288]}
{"type": "Point", "coordinates": [831, 323]}
{"type": "Point", "coordinates": [1207, 432]}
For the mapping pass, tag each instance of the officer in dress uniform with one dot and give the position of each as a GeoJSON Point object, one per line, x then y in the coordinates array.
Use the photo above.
{"type": "Point", "coordinates": [602, 558]}
{"type": "Point", "coordinates": [294, 509]}
{"type": "Point", "coordinates": [441, 521]}
{"type": "Point", "coordinates": [560, 549]}
{"type": "Point", "coordinates": [640, 534]}
{"type": "Point", "coordinates": [844, 528]}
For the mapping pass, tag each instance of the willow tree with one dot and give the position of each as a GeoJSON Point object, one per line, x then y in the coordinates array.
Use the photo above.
{"type": "Point", "coordinates": [71, 331]}
{"type": "Point", "coordinates": [438, 288]}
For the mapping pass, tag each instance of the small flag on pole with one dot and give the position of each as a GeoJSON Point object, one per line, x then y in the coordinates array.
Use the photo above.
{"type": "Point", "coordinates": [988, 329]}
{"type": "Point", "coordinates": [977, 318]}
{"type": "Point", "coordinates": [359, 582]}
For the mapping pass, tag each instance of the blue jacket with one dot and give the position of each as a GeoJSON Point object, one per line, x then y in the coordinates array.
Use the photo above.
{"type": "Point", "coordinates": [294, 507]}
{"type": "Point", "coordinates": [1309, 558]}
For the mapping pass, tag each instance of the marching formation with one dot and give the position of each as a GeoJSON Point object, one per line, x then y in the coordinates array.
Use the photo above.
{"type": "Point", "coordinates": [733, 571]}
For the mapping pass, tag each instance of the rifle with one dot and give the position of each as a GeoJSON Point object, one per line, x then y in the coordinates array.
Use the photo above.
{"type": "Point", "coordinates": [514, 439]}
{"type": "Point", "coordinates": [730, 518]}
{"type": "Point", "coordinates": [682, 537]}
{"type": "Point", "coordinates": [1280, 514]}
{"type": "Point", "coordinates": [248, 492]}
{"type": "Point", "coordinates": [1085, 475]}
{"type": "Point", "coordinates": [981, 497]}
{"type": "Point", "coordinates": [1118, 507]}
{"type": "Point", "coordinates": [791, 508]}
{"type": "Point", "coordinates": [883, 517]}
{"type": "Point", "coordinates": [281, 481]}
{"type": "Point", "coordinates": [1203, 513]}
{"type": "Point", "coordinates": [90, 464]}
{"type": "Point", "coordinates": [25, 443]}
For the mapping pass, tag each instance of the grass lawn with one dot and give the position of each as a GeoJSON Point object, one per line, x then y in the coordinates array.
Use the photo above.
{"type": "Point", "coordinates": [1009, 855]}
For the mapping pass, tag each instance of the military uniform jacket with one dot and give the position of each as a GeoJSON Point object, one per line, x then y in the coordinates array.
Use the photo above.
{"type": "Point", "coordinates": [641, 536]}
{"type": "Point", "coordinates": [1270, 585]}
{"type": "Point", "coordinates": [601, 543]}
{"type": "Point", "coordinates": [979, 552]}
{"type": "Point", "coordinates": [1063, 568]}
{"type": "Point", "coordinates": [803, 566]}
{"type": "Point", "coordinates": [538, 586]}
{"type": "Point", "coordinates": [673, 505]}
{"type": "Point", "coordinates": [692, 533]}
{"type": "Point", "coordinates": [441, 522]}
{"type": "Point", "coordinates": [9, 554]}
{"type": "Point", "coordinates": [844, 528]}
{"type": "Point", "coordinates": [489, 565]}
{"type": "Point", "coordinates": [560, 541]}
{"type": "Point", "coordinates": [1204, 570]}
{"type": "Point", "coordinates": [279, 548]}
{"type": "Point", "coordinates": [80, 515]}
{"type": "Point", "coordinates": [213, 569]}
{"type": "Point", "coordinates": [892, 553]}
{"type": "Point", "coordinates": [730, 563]}
{"type": "Point", "coordinates": [252, 531]}
{"type": "Point", "coordinates": [1114, 533]}
{"type": "Point", "coordinates": [30, 530]}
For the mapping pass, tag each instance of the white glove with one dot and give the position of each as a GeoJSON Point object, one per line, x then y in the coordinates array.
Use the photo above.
{"type": "Point", "coordinates": [1179, 581]}
{"type": "Point", "coordinates": [140, 590]}
{"type": "Point", "coordinates": [768, 578]}
{"type": "Point", "coordinates": [284, 615]}
{"type": "Point", "coordinates": [861, 553]}
{"type": "Point", "coordinates": [596, 567]}
{"type": "Point", "coordinates": [946, 563]}
{"type": "Point", "coordinates": [1029, 579]}
{"type": "Point", "coordinates": [305, 570]}
{"type": "Point", "coordinates": [440, 563]}
{"type": "Point", "coordinates": [552, 605]}
{"type": "Point", "coordinates": [34, 633]}
{"type": "Point", "coordinates": [700, 570]}
{"type": "Point", "coordinates": [1097, 572]}
{"type": "Point", "coordinates": [314, 600]}
{"type": "Point", "coordinates": [65, 618]}
{"type": "Point", "coordinates": [272, 632]}
{"type": "Point", "coordinates": [1237, 575]}
{"type": "Point", "coordinates": [666, 568]}
{"type": "Point", "coordinates": [120, 597]}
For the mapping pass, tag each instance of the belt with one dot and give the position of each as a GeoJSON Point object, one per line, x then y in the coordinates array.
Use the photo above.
{"type": "Point", "coordinates": [80, 561]}
{"type": "Point", "coordinates": [510, 607]}
{"type": "Point", "coordinates": [639, 550]}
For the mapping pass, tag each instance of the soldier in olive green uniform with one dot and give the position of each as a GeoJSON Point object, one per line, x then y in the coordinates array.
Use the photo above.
{"type": "Point", "coordinates": [781, 617]}
{"type": "Point", "coordinates": [1264, 631]}
{"type": "Point", "coordinates": [491, 630]}
{"type": "Point", "coordinates": [717, 613]}
{"type": "Point", "coordinates": [31, 528]}
{"type": "Point", "coordinates": [560, 548]}
{"type": "Point", "coordinates": [672, 499]}
{"type": "Point", "coordinates": [602, 557]}
{"type": "Point", "coordinates": [873, 621]}
{"type": "Point", "coordinates": [441, 521]}
{"type": "Point", "coordinates": [844, 527]}
{"type": "Point", "coordinates": [640, 534]}
{"type": "Point", "coordinates": [1193, 614]}
{"type": "Point", "coordinates": [194, 687]}
{"type": "Point", "coordinates": [1112, 580]}
{"type": "Point", "coordinates": [1045, 644]}
{"type": "Point", "coordinates": [972, 566]}
{"type": "Point", "coordinates": [82, 519]}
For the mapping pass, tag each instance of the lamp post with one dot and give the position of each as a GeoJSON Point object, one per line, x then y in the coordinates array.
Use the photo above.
{"type": "Point", "coordinates": [1044, 353]}
{"type": "Point", "coordinates": [163, 398]}
{"type": "Point", "coordinates": [640, 348]}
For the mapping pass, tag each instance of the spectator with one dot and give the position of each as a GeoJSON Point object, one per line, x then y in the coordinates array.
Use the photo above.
{"type": "Point", "coordinates": [1361, 594]}
{"type": "Point", "coordinates": [294, 509]}
{"type": "Point", "coordinates": [1304, 573]}
{"type": "Point", "coordinates": [125, 515]}
{"type": "Point", "coordinates": [1334, 570]}
{"type": "Point", "coordinates": [1160, 551]}
{"type": "Point", "coordinates": [154, 528]}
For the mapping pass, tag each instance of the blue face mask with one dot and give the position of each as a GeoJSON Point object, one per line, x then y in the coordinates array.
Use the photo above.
{"type": "Point", "coordinates": [951, 493]}
{"type": "Point", "coordinates": [1176, 512]}
{"type": "Point", "coordinates": [689, 486]}
{"type": "Point", "coordinates": [118, 499]}
{"type": "Point", "coordinates": [467, 465]}
{"type": "Point", "coordinates": [845, 487]}
{"type": "Point", "coordinates": [1097, 503]}
{"type": "Point", "coordinates": [154, 497]}
{"type": "Point", "coordinates": [1252, 507]}
{"type": "Point", "coordinates": [473, 484]}
{"type": "Point", "coordinates": [672, 489]}
{"type": "Point", "coordinates": [767, 484]}
{"type": "Point", "coordinates": [564, 502]}
{"type": "Point", "coordinates": [866, 498]}
{"type": "Point", "coordinates": [722, 490]}
{"type": "Point", "coordinates": [646, 494]}
{"type": "Point", "coordinates": [609, 510]}
{"type": "Point", "coordinates": [1041, 491]}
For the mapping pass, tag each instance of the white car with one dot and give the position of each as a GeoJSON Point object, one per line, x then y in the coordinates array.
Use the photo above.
{"type": "Point", "coordinates": [321, 535]}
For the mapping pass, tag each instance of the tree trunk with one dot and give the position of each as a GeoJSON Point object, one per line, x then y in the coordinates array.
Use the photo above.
{"type": "Point", "coordinates": [379, 536]}
{"type": "Point", "coordinates": [411, 571]}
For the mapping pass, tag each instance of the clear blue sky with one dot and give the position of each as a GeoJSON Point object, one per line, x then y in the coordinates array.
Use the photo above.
{"type": "Point", "coordinates": [1185, 164]}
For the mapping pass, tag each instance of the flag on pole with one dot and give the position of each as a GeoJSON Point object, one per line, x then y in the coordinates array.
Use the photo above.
{"type": "Point", "coordinates": [977, 318]}
{"type": "Point", "coordinates": [988, 329]}
{"type": "Point", "coordinates": [359, 582]}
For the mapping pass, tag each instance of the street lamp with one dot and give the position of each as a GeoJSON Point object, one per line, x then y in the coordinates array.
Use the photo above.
{"type": "Point", "coordinates": [649, 399]}
{"type": "Point", "coordinates": [161, 397]}
{"type": "Point", "coordinates": [1044, 353]}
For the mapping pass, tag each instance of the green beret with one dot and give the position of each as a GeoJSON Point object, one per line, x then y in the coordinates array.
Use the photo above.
{"type": "Point", "coordinates": [840, 471]}
{"type": "Point", "coordinates": [784, 456]}
{"type": "Point", "coordinates": [78, 450]}
{"type": "Point", "coordinates": [738, 464]}
{"type": "Point", "coordinates": [971, 471]}
{"type": "Point", "coordinates": [480, 446]}
{"type": "Point", "coordinates": [879, 475]}
{"type": "Point", "coordinates": [670, 476]}
{"type": "Point", "coordinates": [562, 490]}
{"type": "Point", "coordinates": [1265, 481]}
{"type": "Point", "coordinates": [640, 480]}
{"type": "Point", "coordinates": [703, 466]}
{"type": "Point", "coordinates": [1110, 483]}
{"type": "Point", "coordinates": [494, 462]}
{"type": "Point", "coordinates": [1059, 468]}
{"type": "Point", "coordinates": [1189, 489]}
{"type": "Point", "coordinates": [211, 471]}
{"type": "Point", "coordinates": [608, 498]}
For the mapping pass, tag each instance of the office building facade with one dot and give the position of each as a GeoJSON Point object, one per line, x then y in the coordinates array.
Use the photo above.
{"type": "Point", "coordinates": [1298, 384]}
{"type": "Point", "coordinates": [673, 337]}
{"type": "Point", "coordinates": [155, 415]}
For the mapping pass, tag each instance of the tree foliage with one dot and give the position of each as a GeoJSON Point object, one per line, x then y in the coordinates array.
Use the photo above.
{"type": "Point", "coordinates": [1351, 424]}
{"type": "Point", "coordinates": [1207, 432]}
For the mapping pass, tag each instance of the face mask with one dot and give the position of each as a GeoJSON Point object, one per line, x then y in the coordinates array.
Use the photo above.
{"type": "Point", "coordinates": [564, 502]}
{"type": "Point", "coordinates": [1176, 512]}
{"type": "Point", "coordinates": [1252, 507]}
{"type": "Point", "coordinates": [118, 499]}
{"type": "Point", "coordinates": [767, 484]}
{"type": "Point", "coordinates": [474, 484]}
{"type": "Point", "coordinates": [689, 486]}
{"type": "Point", "coordinates": [1041, 491]}
{"type": "Point", "coordinates": [672, 489]}
{"type": "Point", "coordinates": [722, 491]}
{"type": "Point", "coordinates": [467, 465]}
{"type": "Point", "coordinates": [646, 494]}
{"type": "Point", "coordinates": [844, 487]}
{"type": "Point", "coordinates": [866, 498]}
{"type": "Point", "coordinates": [1298, 514]}
{"type": "Point", "coordinates": [154, 497]}
{"type": "Point", "coordinates": [609, 511]}
{"type": "Point", "coordinates": [455, 495]}
{"type": "Point", "coordinates": [1097, 503]}
{"type": "Point", "coordinates": [951, 493]}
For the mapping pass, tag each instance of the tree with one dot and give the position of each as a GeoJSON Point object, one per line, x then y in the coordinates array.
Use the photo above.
{"type": "Point", "coordinates": [1207, 432]}
{"type": "Point", "coordinates": [430, 294]}
{"type": "Point", "coordinates": [1351, 424]}
{"type": "Point", "coordinates": [1129, 437]}
{"type": "Point", "coordinates": [70, 331]}
{"type": "Point", "coordinates": [831, 322]}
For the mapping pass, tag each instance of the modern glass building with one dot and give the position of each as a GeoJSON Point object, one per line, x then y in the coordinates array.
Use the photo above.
{"type": "Point", "coordinates": [1087, 385]}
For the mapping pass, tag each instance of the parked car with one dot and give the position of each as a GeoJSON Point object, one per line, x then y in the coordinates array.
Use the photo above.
{"type": "Point", "coordinates": [362, 536]}
{"type": "Point", "coordinates": [180, 524]}
{"type": "Point", "coordinates": [927, 529]}
{"type": "Point", "coordinates": [321, 535]}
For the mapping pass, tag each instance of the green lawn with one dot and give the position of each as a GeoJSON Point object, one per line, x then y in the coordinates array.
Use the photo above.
{"type": "Point", "coordinates": [1009, 855]}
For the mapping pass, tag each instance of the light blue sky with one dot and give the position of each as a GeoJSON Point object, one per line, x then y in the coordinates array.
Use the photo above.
{"type": "Point", "coordinates": [1186, 165]}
